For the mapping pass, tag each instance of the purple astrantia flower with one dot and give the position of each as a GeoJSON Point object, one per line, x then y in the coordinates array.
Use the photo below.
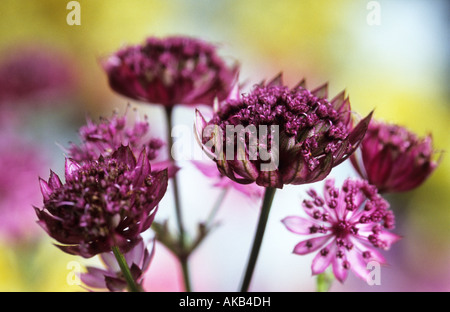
{"type": "Point", "coordinates": [170, 71]}
{"type": "Point", "coordinates": [393, 158]}
{"type": "Point", "coordinates": [111, 278]}
{"type": "Point", "coordinates": [34, 73]}
{"type": "Point", "coordinates": [103, 203]}
{"type": "Point", "coordinates": [346, 226]}
{"type": "Point", "coordinates": [308, 134]}
{"type": "Point", "coordinates": [108, 135]}
{"type": "Point", "coordinates": [20, 162]}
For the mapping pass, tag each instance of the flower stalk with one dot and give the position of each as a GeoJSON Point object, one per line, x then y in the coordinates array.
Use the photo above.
{"type": "Point", "coordinates": [324, 282]}
{"type": "Point", "coordinates": [183, 256]}
{"type": "Point", "coordinates": [264, 216]}
{"type": "Point", "coordinates": [215, 208]}
{"type": "Point", "coordinates": [132, 286]}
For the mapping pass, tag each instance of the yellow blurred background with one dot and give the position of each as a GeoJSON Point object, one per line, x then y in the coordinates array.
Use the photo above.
{"type": "Point", "coordinates": [397, 64]}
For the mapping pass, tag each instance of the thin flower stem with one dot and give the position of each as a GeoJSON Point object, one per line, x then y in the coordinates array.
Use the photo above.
{"type": "Point", "coordinates": [125, 270]}
{"type": "Point", "coordinates": [216, 207]}
{"type": "Point", "coordinates": [264, 216]}
{"type": "Point", "coordinates": [324, 282]}
{"type": "Point", "coordinates": [182, 234]}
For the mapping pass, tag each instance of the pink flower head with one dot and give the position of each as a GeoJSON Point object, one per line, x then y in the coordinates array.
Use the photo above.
{"type": "Point", "coordinates": [284, 136]}
{"type": "Point", "coordinates": [103, 203]}
{"type": "Point", "coordinates": [111, 278]}
{"type": "Point", "coordinates": [32, 73]}
{"type": "Point", "coordinates": [108, 135]}
{"type": "Point", "coordinates": [20, 162]}
{"type": "Point", "coordinates": [170, 71]}
{"type": "Point", "coordinates": [393, 158]}
{"type": "Point", "coordinates": [209, 169]}
{"type": "Point", "coordinates": [346, 226]}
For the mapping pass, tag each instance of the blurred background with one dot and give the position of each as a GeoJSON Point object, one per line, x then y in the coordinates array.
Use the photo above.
{"type": "Point", "coordinates": [391, 56]}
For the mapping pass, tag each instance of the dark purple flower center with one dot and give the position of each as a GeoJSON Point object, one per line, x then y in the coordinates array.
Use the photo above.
{"type": "Point", "coordinates": [342, 229]}
{"type": "Point", "coordinates": [97, 194]}
{"type": "Point", "coordinates": [294, 110]}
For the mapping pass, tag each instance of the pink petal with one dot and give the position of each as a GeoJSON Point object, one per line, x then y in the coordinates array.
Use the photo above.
{"type": "Point", "coordinates": [388, 238]}
{"type": "Point", "coordinates": [375, 255]}
{"type": "Point", "coordinates": [298, 225]}
{"type": "Point", "coordinates": [276, 81]}
{"type": "Point", "coordinates": [321, 91]}
{"type": "Point", "coordinates": [234, 93]}
{"type": "Point", "coordinates": [209, 169]}
{"type": "Point", "coordinates": [338, 269]}
{"type": "Point", "coordinates": [310, 245]}
{"type": "Point", "coordinates": [358, 264]}
{"type": "Point", "coordinates": [172, 169]}
{"type": "Point", "coordinates": [301, 83]}
{"type": "Point", "coordinates": [320, 262]}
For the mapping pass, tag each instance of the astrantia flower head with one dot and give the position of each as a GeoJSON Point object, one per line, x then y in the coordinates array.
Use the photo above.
{"type": "Point", "coordinates": [170, 71]}
{"type": "Point", "coordinates": [34, 73]}
{"type": "Point", "coordinates": [393, 158]}
{"type": "Point", "coordinates": [111, 278]}
{"type": "Point", "coordinates": [103, 203]}
{"type": "Point", "coordinates": [345, 226]}
{"type": "Point", "coordinates": [104, 138]}
{"type": "Point", "coordinates": [284, 136]}
{"type": "Point", "coordinates": [20, 161]}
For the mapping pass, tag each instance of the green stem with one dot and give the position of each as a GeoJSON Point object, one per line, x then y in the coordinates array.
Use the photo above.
{"type": "Point", "coordinates": [182, 233]}
{"type": "Point", "coordinates": [324, 282]}
{"type": "Point", "coordinates": [132, 286]}
{"type": "Point", "coordinates": [264, 216]}
{"type": "Point", "coordinates": [216, 207]}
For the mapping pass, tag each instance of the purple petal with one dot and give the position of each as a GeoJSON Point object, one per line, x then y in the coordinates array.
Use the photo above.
{"type": "Point", "coordinates": [115, 284]}
{"type": "Point", "coordinates": [94, 277]}
{"type": "Point", "coordinates": [358, 133]}
{"type": "Point", "coordinates": [338, 269]}
{"type": "Point", "coordinates": [71, 167]}
{"type": "Point", "coordinates": [125, 155]}
{"type": "Point", "coordinates": [46, 190]}
{"type": "Point", "coordinates": [199, 124]}
{"type": "Point", "coordinates": [388, 238]}
{"type": "Point", "coordinates": [244, 167]}
{"type": "Point", "coordinates": [310, 245]}
{"type": "Point", "coordinates": [269, 179]}
{"type": "Point", "coordinates": [276, 81]}
{"type": "Point", "coordinates": [54, 182]}
{"type": "Point", "coordinates": [143, 169]}
{"type": "Point", "coordinates": [321, 91]}
{"type": "Point", "coordinates": [109, 260]}
{"type": "Point", "coordinates": [301, 83]}
{"type": "Point", "coordinates": [380, 167]}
